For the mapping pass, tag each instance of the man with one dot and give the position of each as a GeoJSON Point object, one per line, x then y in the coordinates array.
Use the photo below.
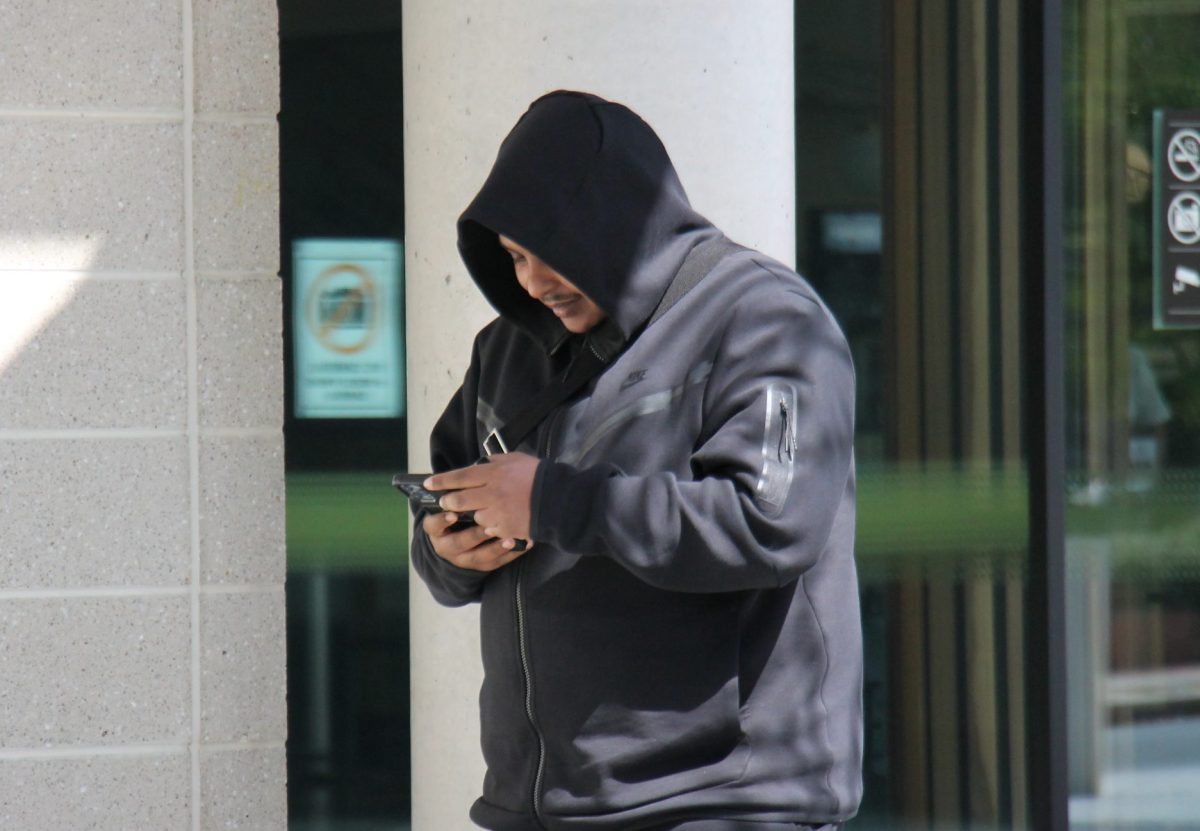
{"type": "Point", "coordinates": [678, 644]}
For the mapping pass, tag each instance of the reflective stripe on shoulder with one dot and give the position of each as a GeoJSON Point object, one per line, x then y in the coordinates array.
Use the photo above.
{"type": "Point", "coordinates": [651, 403]}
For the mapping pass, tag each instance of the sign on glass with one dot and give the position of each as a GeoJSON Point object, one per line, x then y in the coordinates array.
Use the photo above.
{"type": "Point", "coordinates": [349, 331]}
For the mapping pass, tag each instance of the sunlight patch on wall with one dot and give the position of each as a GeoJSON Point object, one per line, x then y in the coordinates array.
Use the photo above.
{"type": "Point", "coordinates": [65, 252]}
{"type": "Point", "coordinates": [30, 297]}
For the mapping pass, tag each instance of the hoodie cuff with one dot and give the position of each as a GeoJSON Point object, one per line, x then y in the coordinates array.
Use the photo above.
{"type": "Point", "coordinates": [567, 505]}
{"type": "Point", "coordinates": [449, 584]}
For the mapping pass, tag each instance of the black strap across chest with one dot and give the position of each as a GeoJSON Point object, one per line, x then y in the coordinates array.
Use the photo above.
{"type": "Point", "coordinates": [590, 362]}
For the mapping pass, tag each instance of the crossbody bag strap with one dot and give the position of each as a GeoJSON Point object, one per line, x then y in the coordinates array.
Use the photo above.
{"type": "Point", "coordinates": [699, 262]}
{"type": "Point", "coordinates": [590, 362]}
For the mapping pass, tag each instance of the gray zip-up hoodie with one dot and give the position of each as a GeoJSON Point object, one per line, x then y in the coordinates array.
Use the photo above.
{"type": "Point", "coordinates": [683, 641]}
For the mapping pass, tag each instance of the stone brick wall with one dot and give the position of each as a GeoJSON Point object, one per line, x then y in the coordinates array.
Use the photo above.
{"type": "Point", "coordinates": [142, 659]}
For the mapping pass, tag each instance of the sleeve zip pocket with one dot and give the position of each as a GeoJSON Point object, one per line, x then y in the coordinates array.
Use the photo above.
{"type": "Point", "coordinates": [779, 448]}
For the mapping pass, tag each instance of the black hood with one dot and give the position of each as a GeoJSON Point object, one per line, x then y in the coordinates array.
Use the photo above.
{"type": "Point", "coordinates": [588, 187]}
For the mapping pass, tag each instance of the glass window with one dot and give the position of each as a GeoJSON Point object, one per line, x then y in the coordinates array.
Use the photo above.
{"type": "Point", "coordinates": [342, 218]}
{"type": "Point", "coordinates": [1133, 416]}
{"type": "Point", "coordinates": [908, 134]}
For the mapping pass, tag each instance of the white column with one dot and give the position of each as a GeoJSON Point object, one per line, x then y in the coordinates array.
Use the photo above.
{"type": "Point", "coordinates": [713, 78]}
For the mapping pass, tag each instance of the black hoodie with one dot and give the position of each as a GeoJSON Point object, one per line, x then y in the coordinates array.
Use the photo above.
{"type": "Point", "coordinates": [683, 641]}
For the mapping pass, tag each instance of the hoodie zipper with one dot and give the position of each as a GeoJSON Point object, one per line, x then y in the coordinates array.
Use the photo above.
{"type": "Point", "coordinates": [536, 796]}
{"type": "Point", "coordinates": [523, 646]}
{"type": "Point", "coordinates": [523, 634]}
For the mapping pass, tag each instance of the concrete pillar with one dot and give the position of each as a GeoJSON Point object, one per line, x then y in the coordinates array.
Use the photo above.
{"type": "Point", "coordinates": [713, 78]}
{"type": "Point", "coordinates": [141, 460]}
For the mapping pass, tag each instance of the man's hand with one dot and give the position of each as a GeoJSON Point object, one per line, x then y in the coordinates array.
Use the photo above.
{"type": "Point", "coordinates": [499, 492]}
{"type": "Point", "coordinates": [470, 548]}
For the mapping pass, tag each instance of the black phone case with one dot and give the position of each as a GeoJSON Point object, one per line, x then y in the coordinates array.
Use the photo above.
{"type": "Point", "coordinates": [421, 499]}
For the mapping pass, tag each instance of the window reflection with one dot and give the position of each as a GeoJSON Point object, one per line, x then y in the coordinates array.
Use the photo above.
{"type": "Point", "coordinates": [1133, 433]}
{"type": "Point", "coordinates": [908, 124]}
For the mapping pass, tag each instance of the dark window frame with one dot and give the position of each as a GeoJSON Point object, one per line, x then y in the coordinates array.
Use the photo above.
{"type": "Point", "coordinates": [1043, 258]}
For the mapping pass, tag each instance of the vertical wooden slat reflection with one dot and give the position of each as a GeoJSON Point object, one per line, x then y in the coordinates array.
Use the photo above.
{"type": "Point", "coordinates": [935, 205]}
{"type": "Point", "coordinates": [1097, 222]}
{"type": "Point", "coordinates": [973, 275]}
{"type": "Point", "coordinates": [902, 323]}
{"type": "Point", "coordinates": [953, 321]}
{"type": "Point", "coordinates": [910, 722]}
{"type": "Point", "coordinates": [1008, 143]}
{"type": "Point", "coordinates": [1014, 617]}
{"type": "Point", "coordinates": [982, 686]}
{"type": "Point", "coordinates": [1008, 133]}
{"type": "Point", "coordinates": [1096, 576]}
{"type": "Point", "coordinates": [1118, 239]}
{"type": "Point", "coordinates": [980, 774]}
{"type": "Point", "coordinates": [945, 771]}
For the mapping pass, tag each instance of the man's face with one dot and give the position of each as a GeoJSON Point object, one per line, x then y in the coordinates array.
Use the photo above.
{"type": "Point", "coordinates": [574, 308]}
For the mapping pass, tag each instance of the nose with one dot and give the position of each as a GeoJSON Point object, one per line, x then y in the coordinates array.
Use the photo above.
{"type": "Point", "coordinates": [541, 279]}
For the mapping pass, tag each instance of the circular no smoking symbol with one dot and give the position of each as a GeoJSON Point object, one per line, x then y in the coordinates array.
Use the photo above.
{"type": "Point", "coordinates": [1183, 155]}
{"type": "Point", "coordinates": [1183, 218]}
{"type": "Point", "coordinates": [342, 309]}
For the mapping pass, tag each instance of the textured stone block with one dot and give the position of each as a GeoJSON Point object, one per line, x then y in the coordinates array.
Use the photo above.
{"type": "Point", "coordinates": [242, 510]}
{"type": "Point", "coordinates": [244, 789]}
{"type": "Point", "coordinates": [241, 352]}
{"type": "Point", "coordinates": [92, 353]}
{"type": "Point", "coordinates": [76, 58]}
{"type": "Point", "coordinates": [243, 659]}
{"type": "Point", "coordinates": [236, 56]}
{"type": "Point", "coordinates": [237, 197]}
{"type": "Point", "coordinates": [91, 194]}
{"type": "Point", "coordinates": [99, 794]}
{"type": "Point", "coordinates": [94, 671]}
{"type": "Point", "coordinates": [85, 513]}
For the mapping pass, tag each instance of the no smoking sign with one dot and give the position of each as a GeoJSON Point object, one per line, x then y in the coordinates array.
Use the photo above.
{"type": "Point", "coordinates": [348, 328]}
{"type": "Point", "coordinates": [1183, 155]}
{"type": "Point", "coordinates": [1176, 219]}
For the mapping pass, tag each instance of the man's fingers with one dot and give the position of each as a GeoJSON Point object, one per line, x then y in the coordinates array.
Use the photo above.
{"type": "Point", "coordinates": [474, 476]}
{"type": "Point", "coordinates": [470, 499]}
{"type": "Point", "coordinates": [437, 525]}
{"type": "Point", "coordinates": [487, 557]}
{"type": "Point", "coordinates": [450, 544]}
{"type": "Point", "coordinates": [498, 495]}
{"type": "Point", "coordinates": [464, 477]}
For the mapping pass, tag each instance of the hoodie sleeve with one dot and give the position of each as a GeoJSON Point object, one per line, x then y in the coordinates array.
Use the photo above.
{"type": "Point", "coordinates": [452, 444]}
{"type": "Point", "coordinates": [771, 467]}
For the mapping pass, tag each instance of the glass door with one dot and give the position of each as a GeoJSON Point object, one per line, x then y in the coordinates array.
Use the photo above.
{"type": "Point", "coordinates": [909, 160]}
{"type": "Point", "coordinates": [1133, 412]}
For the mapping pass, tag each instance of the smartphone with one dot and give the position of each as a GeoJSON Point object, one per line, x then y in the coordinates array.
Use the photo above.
{"type": "Point", "coordinates": [421, 498]}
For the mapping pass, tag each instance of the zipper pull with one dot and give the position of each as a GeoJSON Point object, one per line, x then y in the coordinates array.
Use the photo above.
{"type": "Point", "coordinates": [785, 433]}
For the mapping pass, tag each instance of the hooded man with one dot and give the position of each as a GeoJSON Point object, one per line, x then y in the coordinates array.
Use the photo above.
{"type": "Point", "coordinates": [678, 646]}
